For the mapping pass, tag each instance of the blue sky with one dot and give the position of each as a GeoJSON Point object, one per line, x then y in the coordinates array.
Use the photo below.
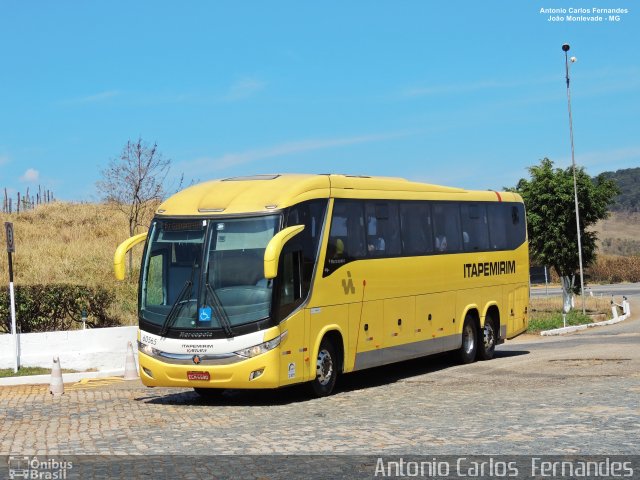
{"type": "Point", "coordinates": [462, 93]}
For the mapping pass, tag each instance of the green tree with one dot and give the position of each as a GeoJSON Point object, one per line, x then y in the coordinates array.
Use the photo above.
{"type": "Point", "coordinates": [551, 217]}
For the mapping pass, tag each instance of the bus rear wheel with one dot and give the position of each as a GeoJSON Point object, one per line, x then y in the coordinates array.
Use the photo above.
{"type": "Point", "coordinates": [488, 339]}
{"type": "Point", "coordinates": [326, 370]}
{"type": "Point", "coordinates": [469, 348]}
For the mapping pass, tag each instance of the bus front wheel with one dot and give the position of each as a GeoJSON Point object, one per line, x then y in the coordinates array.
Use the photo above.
{"type": "Point", "coordinates": [469, 347]}
{"type": "Point", "coordinates": [326, 370]}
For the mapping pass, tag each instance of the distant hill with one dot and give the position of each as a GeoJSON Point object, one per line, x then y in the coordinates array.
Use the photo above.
{"type": "Point", "coordinates": [628, 181]}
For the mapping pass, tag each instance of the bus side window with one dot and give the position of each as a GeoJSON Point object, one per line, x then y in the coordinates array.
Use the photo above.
{"type": "Point", "coordinates": [446, 224]}
{"type": "Point", "coordinates": [475, 228]}
{"type": "Point", "coordinates": [311, 215]}
{"type": "Point", "coordinates": [346, 237]}
{"type": "Point", "coordinates": [383, 232]}
{"type": "Point", "coordinates": [290, 293]}
{"type": "Point", "coordinates": [417, 231]}
{"type": "Point", "coordinates": [516, 225]}
{"type": "Point", "coordinates": [498, 226]}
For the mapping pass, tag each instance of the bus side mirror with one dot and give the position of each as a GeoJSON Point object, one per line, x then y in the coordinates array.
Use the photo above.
{"type": "Point", "coordinates": [121, 251]}
{"type": "Point", "coordinates": [274, 249]}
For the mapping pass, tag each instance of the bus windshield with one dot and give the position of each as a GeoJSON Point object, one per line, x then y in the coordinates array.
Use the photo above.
{"type": "Point", "coordinates": [206, 274]}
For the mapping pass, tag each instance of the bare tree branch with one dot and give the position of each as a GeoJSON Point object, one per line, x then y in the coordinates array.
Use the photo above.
{"type": "Point", "coordinates": [135, 181]}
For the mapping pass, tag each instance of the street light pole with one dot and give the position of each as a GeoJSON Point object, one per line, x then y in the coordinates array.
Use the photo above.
{"type": "Point", "coordinates": [565, 49]}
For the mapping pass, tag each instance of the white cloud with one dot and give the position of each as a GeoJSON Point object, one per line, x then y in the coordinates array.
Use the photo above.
{"type": "Point", "coordinates": [31, 175]}
{"type": "Point", "coordinates": [602, 160]}
{"type": "Point", "coordinates": [244, 88]}
{"type": "Point", "coordinates": [248, 156]}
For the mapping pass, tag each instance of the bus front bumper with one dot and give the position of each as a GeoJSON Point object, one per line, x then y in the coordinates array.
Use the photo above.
{"type": "Point", "coordinates": [261, 371]}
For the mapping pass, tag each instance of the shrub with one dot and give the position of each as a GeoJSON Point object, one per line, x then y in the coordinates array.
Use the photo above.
{"type": "Point", "coordinates": [45, 308]}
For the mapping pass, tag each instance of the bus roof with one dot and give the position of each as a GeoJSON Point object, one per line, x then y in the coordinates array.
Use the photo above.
{"type": "Point", "coordinates": [266, 193]}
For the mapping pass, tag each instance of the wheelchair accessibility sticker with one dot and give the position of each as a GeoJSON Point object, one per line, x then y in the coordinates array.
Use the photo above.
{"type": "Point", "coordinates": [204, 314]}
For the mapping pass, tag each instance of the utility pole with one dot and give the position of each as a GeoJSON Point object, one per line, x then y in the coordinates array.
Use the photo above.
{"type": "Point", "coordinates": [565, 49]}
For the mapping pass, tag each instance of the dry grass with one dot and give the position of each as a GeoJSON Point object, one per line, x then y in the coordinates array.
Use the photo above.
{"type": "Point", "coordinates": [615, 269]}
{"type": "Point", "coordinates": [595, 306]}
{"type": "Point", "coordinates": [619, 234]}
{"type": "Point", "coordinates": [73, 243]}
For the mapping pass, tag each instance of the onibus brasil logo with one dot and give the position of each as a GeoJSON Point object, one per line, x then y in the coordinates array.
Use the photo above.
{"type": "Point", "coordinates": [34, 468]}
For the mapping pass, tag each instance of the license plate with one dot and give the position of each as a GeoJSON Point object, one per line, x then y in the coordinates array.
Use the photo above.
{"type": "Point", "coordinates": [198, 376]}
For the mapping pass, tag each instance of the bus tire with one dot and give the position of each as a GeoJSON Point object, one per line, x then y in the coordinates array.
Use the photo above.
{"type": "Point", "coordinates": [469, 348]}
{"type": "Point", "coordinates": [487, 339]}
{"type": "Point", "coordinates": [326, 369]}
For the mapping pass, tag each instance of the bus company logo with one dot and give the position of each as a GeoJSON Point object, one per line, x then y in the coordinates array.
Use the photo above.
{"type": "Point", "coordinates": [196, 359]}
{"type": "Point", "coordinates": [33, 468]}
{"type": "Point", "coordinates": [487, 269]}
{"type": "Point", "coordinates": [347, 285]}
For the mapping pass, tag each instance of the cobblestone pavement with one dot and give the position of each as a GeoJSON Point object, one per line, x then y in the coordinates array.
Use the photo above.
{"type": "Point", "coordinates": [573, 394]}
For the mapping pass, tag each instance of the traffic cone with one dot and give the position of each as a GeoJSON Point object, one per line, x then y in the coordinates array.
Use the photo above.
{"type": "Point", "coordinates": [56, 387]}
{"type": "Point", "coordinates": [130, 369]}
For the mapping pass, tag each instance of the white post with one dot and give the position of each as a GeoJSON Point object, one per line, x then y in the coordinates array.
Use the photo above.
{"type": "Point", "coordinates": [14, 330]}
{"type": "Point", "coordinates": [11, 247]}
{"type": "Point", "coordinates": [614, 310]}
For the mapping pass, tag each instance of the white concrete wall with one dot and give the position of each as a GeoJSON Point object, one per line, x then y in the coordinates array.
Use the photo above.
{"type": "Point", "coordinates": [95, 348]}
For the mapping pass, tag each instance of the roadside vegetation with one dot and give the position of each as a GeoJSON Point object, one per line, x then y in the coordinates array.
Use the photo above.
{"type": "Point", "coordinates": [70, 243]}
{"type": "Point", "coordinates": [26, 371]}
{"type": "Point", "coordinates": [546, 313]}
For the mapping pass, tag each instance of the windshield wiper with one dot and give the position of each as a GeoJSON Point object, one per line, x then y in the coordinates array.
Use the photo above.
{"type": "Point", "coordinates": [220, 312]}
{"type": "Point", "coordinates": [173, 313]}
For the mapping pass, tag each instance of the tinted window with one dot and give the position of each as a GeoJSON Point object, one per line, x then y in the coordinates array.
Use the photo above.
{"type": "Point", "coordinates": [498, 232]}
{"type": "Point", "coordinates": [446, 224]}
{"type": "Point", "coordinates": [311, 215]}
{"type": "Point", "coordinates": [417, 231]}
{"type": "Point", "coordinates": [383, 229]}
{"type": "Point", "coordinates": [475, 228]}
{"type": "Point", "coordinates": [346, 236]}
{"type": "Point", "coordinates": [516, 224]}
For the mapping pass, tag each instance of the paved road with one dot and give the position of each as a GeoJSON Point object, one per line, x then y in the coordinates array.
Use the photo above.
{"type": "Point", "coordinates": [573, 394]}
{"type": "Point", "coordinates": [618, 290]}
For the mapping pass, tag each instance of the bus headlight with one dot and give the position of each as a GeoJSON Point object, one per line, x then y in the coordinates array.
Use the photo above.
{"type": "Point", "coordinates": [146, 349]}
{"type": "Point", "coordinates": [262, 348]}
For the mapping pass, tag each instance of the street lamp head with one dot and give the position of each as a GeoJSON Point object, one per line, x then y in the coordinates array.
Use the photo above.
{"type": "Point", "coordinates": [565, 47]}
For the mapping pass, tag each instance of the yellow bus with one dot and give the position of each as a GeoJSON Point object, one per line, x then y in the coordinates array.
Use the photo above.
{"type": "Point", "coordinates": [272, 280]}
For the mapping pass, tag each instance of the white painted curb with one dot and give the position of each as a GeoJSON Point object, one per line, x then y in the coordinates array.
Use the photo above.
{"type": "Point", "coordinates": [66, 377]}
{"type": "Point", "coordinates": [575, 328]}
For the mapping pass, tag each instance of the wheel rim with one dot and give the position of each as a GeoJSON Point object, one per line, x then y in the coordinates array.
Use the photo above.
{"type": "Point", "coordinates": [468, 339]}
{"type": "Point", "coordinates": [489, 337]}
{"type": "Point", "coordinates": [324, 368]}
